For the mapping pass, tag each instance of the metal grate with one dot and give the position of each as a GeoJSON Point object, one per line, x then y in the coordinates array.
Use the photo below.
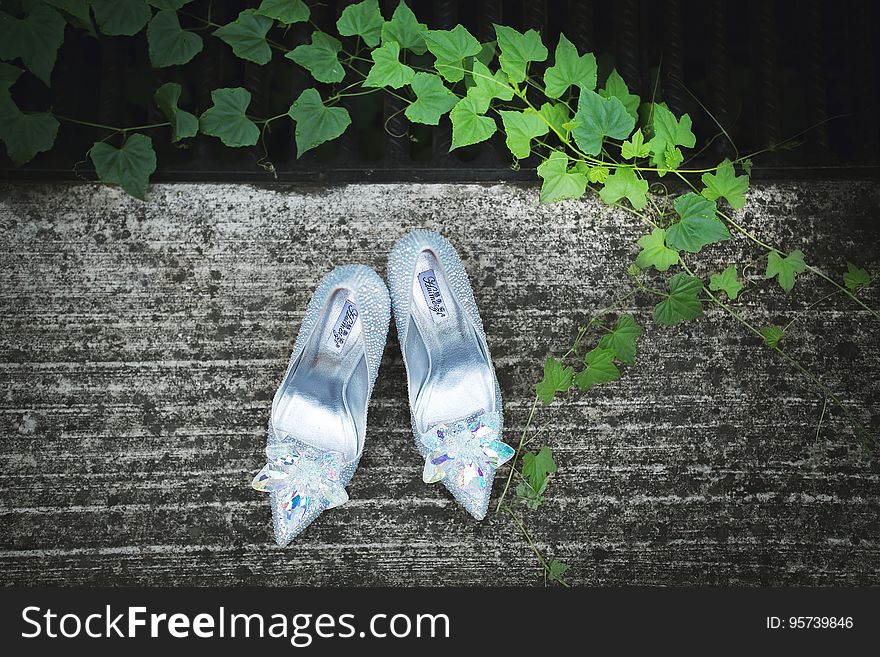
{"type": "Point", "coordinates": [766, 71]}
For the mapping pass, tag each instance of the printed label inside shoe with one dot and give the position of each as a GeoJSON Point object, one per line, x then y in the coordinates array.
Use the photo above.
{"type": "Point", "coordinates": [343, 326]}
{"type": "Point", "coordinates": [433, 297]}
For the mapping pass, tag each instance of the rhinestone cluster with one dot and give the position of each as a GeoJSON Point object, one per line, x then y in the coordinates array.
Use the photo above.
{"type": "Point", "coordinates": [301, 481]}
{"type": "Point", "coordinates": [466, 453]}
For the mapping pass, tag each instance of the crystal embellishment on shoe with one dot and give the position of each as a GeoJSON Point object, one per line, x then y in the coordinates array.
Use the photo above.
{"type": "Point", "coordinates": [300, 481]}
{"type": "Point", "coordinates": [467, 451]}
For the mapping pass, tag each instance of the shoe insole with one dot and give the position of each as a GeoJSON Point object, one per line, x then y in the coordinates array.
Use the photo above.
{"type": "Point", "coordinates": [450, 373]}
{"type": "Point", "coordinates": [322, 401]}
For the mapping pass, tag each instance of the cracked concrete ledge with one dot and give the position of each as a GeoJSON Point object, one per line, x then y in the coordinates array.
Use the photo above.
{"type": "Point", "coordinates": [142, 343]}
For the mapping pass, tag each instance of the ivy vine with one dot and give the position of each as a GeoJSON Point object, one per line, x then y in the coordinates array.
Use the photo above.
{"type": "Point", "coordinates": [591, 135]}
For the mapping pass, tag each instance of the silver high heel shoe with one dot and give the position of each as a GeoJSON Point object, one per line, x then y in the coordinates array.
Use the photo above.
{"type": "Point", "coordinates": [454, 396]}
{"type": "Point", "coordinates": [318, 420]}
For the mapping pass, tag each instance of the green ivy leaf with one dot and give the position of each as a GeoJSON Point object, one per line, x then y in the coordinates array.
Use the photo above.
{"type": "Point", "coordinates": [556, 115]}
{"type": "Point", "coordinates": [468, 126]}
{"type": "Point", "coordinates": [487, 86]}
{"type": "Point", "coordinates": [600, 369]}
{"type": "Point", "coordinates": [121, 17]}
{"type": "Point", "coordinates": [227, 118]}
{"type": "Point", "coordinates": [615, 87]}
{"type": "Point", "coordinates": [556, 379]}
{"type": "Point", "coordinates": [450, 47]}
{"type": "Point", "coordinates": [654, 251]}
{"type": "Point", "coordinates": [569, 69]}
{"type": "Point", "coordinates": [405, 30]}
{"type": "Point", "coordinates": [646, 114]}
{"type": "Point", "coordinates": [555, 570]}
{"type": "Point", "coordinates": [246, 35]}
{"type": "Point", "coordinates": [169, 44]}
{"type": "Point", "coordinates": [320, 58]}
{"type": "Point", "coordinates": [673, 158]}
{"type": "Point", "coordinates": [785, 269]}
{"type": "Point", "coordinates": [8, 76]}
{"type": "Point", "coordinates": [560, 182]}
{"type": "Point", "coordinates": [169, 4]}
{"type": "Point", "coordinates": [597, 118]}
{"type": "Point", "coordinates": [183, 124]}
{"type": "Point", "coordinates": [669, 131]}
{"type": "Point", "coordinates": [34, 39]}
{"type": "Point", "coordinates": [433, 99]}
{"type": "Point", "coordinates": [529, 495]}
{"type": "Point", "coordinates": [25, 135]}
{"type": "Point", "coordinates": [520, 128]}
{"type": "Point", "coordinates": [726, 184]}
{"type": "Point", "coordinates": [316, 123]}
{"type": "Point", "coordinates": [387, 69]}
{"type": "Point", "coordinates": [77, 12]}
{"type": "Point", "coordinates": [855, 278]}
{"type": "Point", "coordinates": [598, 174]}
{"type": "Point", "coordinates": [683, 302]}
{"type": "Point", "coordinates": [772, 336]}
{"type": "Point", "coordinates": [517, 50]}
{"type": "Point", "coordinates": [635, 146]}
{"type": "Point", "coordinates": [726, 282]}
{"type": "Point", "coordinates": [622, 339]}
{"type": "Point", "coordinates": [487, 53]}
{"type": "Point", "coordinates": [536, 467]}
{"type": "Point", "coordinates": [698, 225]}
{"type": "Point", "coordinates": [624, 183]}
{"type": "Point", "coordinates": [285, 11]}
{"type": "Point", "coordinates": [129, 167]}
{"type": "Point", "coordinates": [362, 19]}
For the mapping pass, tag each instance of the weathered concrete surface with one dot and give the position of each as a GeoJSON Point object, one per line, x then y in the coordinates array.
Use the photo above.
{"type": "Point", "coordinates": [142, 343]}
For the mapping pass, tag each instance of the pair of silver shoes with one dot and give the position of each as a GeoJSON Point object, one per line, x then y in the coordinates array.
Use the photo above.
{"type": "Point", "coordinates": [317, 425]}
